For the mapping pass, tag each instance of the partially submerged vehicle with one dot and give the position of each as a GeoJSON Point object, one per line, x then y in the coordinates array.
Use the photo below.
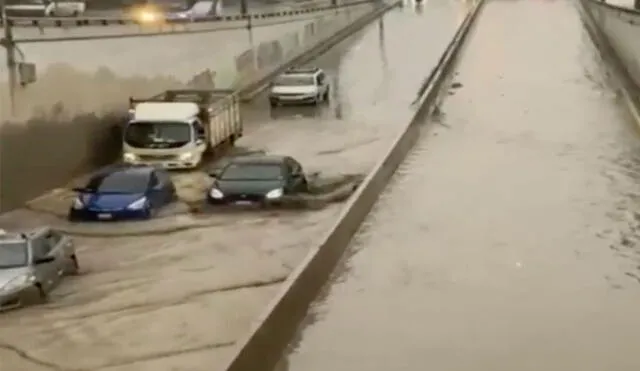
{"type": "Point", "coordinates": [32, 264]}
{"type": "Point", "coordinates": [261, 180]}
{"type": "Point", "coordinates": [176, 128]}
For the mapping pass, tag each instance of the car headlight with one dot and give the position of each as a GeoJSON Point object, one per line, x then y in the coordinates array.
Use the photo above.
{"type": "Point", "coordinates": [77, 204]}
{"type": "Point", "coordinates": [129, 157]}
{"type": "Point", "coordinates": [186, 156]}
{"type": "Point", "coordinates": [276, 193]}
{"type": "Point", "coordinates": [19, 282]}
{"type": "Point", "coordinates": [138, 204]}
{"type": "Point", "coordinates": [216, 193]}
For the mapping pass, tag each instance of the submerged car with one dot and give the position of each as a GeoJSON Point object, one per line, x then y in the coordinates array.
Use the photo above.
{"type": "Point", "coordinates": [123, 192]}
{"type": "Point", "coordinates": [261, 180]}
{"type": "Point", "coordinates": [300, 86]}
{"type": "Point", "coordinates": [32, 264]}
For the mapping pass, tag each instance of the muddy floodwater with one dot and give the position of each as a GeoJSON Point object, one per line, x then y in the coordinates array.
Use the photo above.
{"type": "Point", "coordinates": [508, 240]}
{"type": "Point", "coordinates": [180, 300]}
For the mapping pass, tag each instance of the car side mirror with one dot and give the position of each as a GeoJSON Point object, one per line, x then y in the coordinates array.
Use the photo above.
{"type": "Point", "coordinates": [44, 260]}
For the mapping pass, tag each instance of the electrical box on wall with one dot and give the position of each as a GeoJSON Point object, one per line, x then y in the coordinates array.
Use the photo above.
{"type": "Point", "coordinates": [27, 73]}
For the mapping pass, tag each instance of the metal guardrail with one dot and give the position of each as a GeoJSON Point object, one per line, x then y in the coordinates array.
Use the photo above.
{"type": "Point", "coordinates": [66, 22]}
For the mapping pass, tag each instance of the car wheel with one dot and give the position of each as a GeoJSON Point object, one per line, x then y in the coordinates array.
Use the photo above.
{"type": "Point", "coordinates": [273, 103]}
{"type": "Point", "coordinates": [39, 296]}
{"type": "Point", "coordinates": [73, 268]}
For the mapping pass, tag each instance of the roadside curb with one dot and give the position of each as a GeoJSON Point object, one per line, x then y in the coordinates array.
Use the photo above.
{"type": "Point", "coordinates": [250, 90]}
{"type": "Point", "coordinates": [262, 348]}
{"type": "Point", "coordinates": [621, 77]}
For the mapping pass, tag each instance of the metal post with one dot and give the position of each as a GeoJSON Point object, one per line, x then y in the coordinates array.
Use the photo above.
{"type": "Point", "coordinates": [8, 43]}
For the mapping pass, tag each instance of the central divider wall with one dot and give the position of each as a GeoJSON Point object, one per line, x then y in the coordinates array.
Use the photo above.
{"type": "Point", "coordinates": [68, 122]}
{"type": "Point", "coordinates": [265, 344]}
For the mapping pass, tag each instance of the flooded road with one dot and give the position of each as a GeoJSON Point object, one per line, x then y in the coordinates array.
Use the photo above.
{"type": "Point", "coordinates": [508, 239]}
{"type": "Point", "coordinates": [180, 300]}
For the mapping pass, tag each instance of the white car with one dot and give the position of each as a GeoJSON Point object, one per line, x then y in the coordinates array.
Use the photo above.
{"type": "Point", "coordinates": [44, 8]}
{"type": "Point", "coordinates": [300, 86]}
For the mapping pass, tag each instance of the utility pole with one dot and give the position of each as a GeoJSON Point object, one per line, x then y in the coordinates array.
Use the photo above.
{"type": "Point", "coordinates": [244, 8]}
{"type": "Point", "coordinates": [10, 50]}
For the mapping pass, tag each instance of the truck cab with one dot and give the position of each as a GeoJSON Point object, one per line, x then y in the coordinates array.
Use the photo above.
{"type": "Point", "coordinates": [176, 128]}
{"type": "Point", "coordinates": [168, 134]}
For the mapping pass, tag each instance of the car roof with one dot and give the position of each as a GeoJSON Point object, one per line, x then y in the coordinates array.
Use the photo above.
{"type": "Point", "coordinates": [266, 160]}
{"type": "Point", "coordinates": [11, 236]}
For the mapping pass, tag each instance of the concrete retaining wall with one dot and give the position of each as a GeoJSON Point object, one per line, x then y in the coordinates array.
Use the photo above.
{"type": "Point", "coordinates": [621, 27]}
{"type": "Point", "coordinates": [66, 122]}
{"type": "Point", "coordinates": [264, 346]}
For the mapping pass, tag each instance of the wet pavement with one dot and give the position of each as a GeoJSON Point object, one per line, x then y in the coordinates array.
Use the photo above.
{"type": "Point", "coordinates": [179, 301]}
{"type": "Point", "coordinates": [508, 240]}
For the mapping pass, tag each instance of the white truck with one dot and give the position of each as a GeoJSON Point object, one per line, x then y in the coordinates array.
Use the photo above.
{"type": "Point", "coordinates": [176, 128]}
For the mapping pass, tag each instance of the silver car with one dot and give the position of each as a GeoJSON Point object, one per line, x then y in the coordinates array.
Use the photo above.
{"type": "Point", "coordinates": [300, 86]}
{"type": "Point", "coordinates": [32, 264]}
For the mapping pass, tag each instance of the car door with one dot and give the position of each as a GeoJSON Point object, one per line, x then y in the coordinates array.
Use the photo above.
{"type": "Point", "coordinates": [322, 83]}
{"type": "Point", "coordinates": [167, 186]}
{"type": "Point", "coordinates": [46, 273]}
{"type": "Point", "coordinates": [155, 191]}
{"type": "Point", "coordinates": [295, 176]}
{"type": "Point", "coordinates": [56, 242]}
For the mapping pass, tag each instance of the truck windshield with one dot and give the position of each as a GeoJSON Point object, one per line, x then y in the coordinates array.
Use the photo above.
{"type": "Point", "coordinates": [157, 134]}
{"type": "Point", "coordinates": [295, 80]}
{"type": "Point", "coordinates": [13, 254]}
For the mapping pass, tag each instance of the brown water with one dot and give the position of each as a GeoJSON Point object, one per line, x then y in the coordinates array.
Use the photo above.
{"type": "Point", "coordinates": [507, 240]}
{"type": "Point", "coordinates": [178, 301]}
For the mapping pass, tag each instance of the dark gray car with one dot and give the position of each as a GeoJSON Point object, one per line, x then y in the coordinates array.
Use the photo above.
{"type": "Point", "coordinates": [33, 264]}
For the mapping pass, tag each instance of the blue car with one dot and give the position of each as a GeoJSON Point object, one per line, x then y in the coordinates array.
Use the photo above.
{"type": "Point", "coordinates": [123, 192]}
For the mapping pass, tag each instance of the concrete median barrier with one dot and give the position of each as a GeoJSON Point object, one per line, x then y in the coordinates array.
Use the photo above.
{"type": "Point", "coordinates": [67, 121]}
{"type": "Point", "coordinates": [263, 346]}
{"type": "Point", "coordinates": [613, 30]}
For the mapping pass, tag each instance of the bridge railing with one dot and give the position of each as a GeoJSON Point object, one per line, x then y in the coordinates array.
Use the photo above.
{"type": "Point", "coordinates": [67, 22]}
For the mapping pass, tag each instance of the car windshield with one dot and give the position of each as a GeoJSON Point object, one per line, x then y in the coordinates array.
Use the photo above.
{"type": "Point", "coordinates": [13, 254]}
{"type": "Point", "coordinates": [295, 80]}
{"type": "Point", "coordinates": [252, 172]}
{"type": "Point", "coordinates": [157, 134]}
{"type": "Point", "coordinates": [119, 182]}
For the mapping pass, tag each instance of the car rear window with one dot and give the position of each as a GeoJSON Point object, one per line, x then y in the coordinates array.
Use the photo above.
{"type": "Point", "coordinates": [295, 80]}
{"type": "Point", "coordinates": [119, 182]}
{"type": "Point", "coordinates": [252, 172]}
